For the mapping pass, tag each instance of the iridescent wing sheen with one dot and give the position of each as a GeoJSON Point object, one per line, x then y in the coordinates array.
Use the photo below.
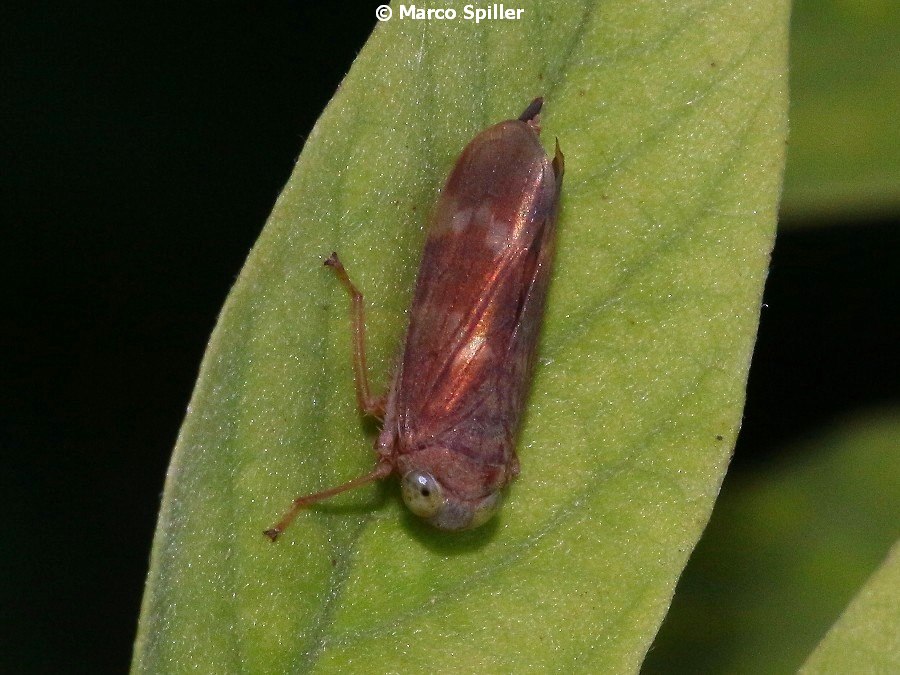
{"type": "Point", "coordinates": [479, 298]}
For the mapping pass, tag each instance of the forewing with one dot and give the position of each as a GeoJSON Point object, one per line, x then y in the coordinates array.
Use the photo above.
{"type": "Point", "coordinates": [479, 294]}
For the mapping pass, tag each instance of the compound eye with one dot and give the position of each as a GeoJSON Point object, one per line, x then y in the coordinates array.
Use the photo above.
{"type": "Point", "coordinates": [422, 493]}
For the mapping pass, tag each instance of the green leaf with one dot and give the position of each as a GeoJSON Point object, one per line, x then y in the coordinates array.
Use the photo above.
{"type": "Point", "coordinates": [865, 638]}
{"type": "Point", "coordinates": [844, 155]}
{"type": "Point", "coordinates": [787, 547]}
{"type": "Point", "coordinates": [672, 119]}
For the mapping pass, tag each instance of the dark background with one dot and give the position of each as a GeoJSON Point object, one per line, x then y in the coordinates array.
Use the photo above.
{"type": "Point", "coordinates": [142, 150]}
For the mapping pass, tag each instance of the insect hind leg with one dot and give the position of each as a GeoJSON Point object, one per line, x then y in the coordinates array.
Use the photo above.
{"type": "Point", "coordinates": [368, 404]}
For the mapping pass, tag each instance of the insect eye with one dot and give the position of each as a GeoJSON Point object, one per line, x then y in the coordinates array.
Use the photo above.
{"type": "Point", "coordinates": [422, 493]}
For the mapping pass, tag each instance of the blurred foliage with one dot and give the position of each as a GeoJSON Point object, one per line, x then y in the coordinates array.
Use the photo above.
{"type": "Point", "coordinates": [868, 633]}
{"type": "Point", "coordinates": [788, 545]}
{"type": "Point", "coordinates": [844, 144]}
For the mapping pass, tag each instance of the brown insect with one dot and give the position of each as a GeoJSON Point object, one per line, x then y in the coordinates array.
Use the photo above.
{"type": "Point", "coordinates": [453, 410]}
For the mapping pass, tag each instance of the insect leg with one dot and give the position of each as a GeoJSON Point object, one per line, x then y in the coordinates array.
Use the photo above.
{"type": "Point", "coordinates": [370, 405]}
{"type": "Point", "coordinates": [382, 470]}
{"type": "Point", "coordinates": [533, 109]}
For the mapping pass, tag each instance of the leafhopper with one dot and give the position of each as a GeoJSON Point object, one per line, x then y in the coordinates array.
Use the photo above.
{"type": "Point", "coordinates": [452, 413]}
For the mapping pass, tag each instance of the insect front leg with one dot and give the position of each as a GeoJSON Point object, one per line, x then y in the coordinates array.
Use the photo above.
{"type": "Point", "coordinates": [368, 404]}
